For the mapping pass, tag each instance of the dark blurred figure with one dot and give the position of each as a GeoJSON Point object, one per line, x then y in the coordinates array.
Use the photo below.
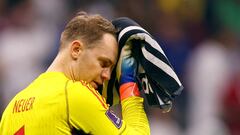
{"type": "Point", "coordinates": [138, 10]}
{"type": "Point", "coordinates": [169, 27]}
{"type": "Point", "coordinates": [177, 47]}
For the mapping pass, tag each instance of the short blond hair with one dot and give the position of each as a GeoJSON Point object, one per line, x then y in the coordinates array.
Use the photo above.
{"type": "Point", "coordinates": [89, 28]}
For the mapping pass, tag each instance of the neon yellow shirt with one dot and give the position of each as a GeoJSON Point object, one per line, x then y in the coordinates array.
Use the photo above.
{"type": "Point", "coordinates": [55, 105]}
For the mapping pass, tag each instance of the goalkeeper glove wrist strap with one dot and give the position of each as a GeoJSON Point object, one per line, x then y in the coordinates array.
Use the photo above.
{"type": "Point", "coordinates": [128, 90]}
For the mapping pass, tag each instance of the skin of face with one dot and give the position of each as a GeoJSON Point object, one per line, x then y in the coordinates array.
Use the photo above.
{"type": "Point", "coordinates": [94, 65]}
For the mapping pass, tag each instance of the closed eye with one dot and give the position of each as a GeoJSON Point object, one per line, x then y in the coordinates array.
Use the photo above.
{"type": "Point", "coordinates": [105, 63]}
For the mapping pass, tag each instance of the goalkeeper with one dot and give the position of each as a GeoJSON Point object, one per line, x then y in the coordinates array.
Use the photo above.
{"type": "Point", "coordinates": [64, 100]}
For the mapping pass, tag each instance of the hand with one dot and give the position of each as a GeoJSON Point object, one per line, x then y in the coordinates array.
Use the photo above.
{"type": "Point", "coordinates": [126, 73]}
{"type": "Point", "coordinates": [127, 66]}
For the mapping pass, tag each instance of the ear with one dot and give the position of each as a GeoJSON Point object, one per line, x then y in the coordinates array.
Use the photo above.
{"type": "Point", "coordinates": [76, 48]}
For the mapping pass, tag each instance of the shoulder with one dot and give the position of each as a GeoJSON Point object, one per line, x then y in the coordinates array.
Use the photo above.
{"type": "Point", "coordinates": [83, 93]}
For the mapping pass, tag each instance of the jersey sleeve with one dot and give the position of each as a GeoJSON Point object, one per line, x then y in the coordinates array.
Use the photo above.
{"type": "Point", "coordinates": [89, 112]}
{"type": "Point", "coordinates": [135, 116]}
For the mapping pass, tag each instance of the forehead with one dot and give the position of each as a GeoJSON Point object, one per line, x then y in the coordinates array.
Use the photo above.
{"type": "Point", "coordinates": [108, 47]}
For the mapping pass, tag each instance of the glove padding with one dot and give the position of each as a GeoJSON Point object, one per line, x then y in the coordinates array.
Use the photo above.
{"type": "Point", "coordinates": [126, 73]}
{"type": "Point", "coordinates": [126, 66]}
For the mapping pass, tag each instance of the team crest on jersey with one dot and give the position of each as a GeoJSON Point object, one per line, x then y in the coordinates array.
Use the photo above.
{"type": "Point", "coordinates": [114, 118]}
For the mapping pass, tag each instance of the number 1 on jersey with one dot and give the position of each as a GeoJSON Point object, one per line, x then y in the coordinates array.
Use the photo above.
{"type": "Point", "coordinates": [20, 131]}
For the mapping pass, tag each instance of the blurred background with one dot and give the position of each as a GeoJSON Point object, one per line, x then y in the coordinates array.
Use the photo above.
{"type": "Point", "coordinates": [201, 38]}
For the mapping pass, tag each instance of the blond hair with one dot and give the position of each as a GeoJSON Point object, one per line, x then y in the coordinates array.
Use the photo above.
{"type": "Point", "coordinates": [88, 28]}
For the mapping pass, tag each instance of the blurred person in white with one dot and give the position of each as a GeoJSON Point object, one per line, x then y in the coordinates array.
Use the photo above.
{"type": "Point", "coordinates": [52, 12]}
{"type": "Point", "coordinates": [209, 72]}
{"type": "Point", "coordinates": [1, 95]}
{"type": "Point", "coordinates": [23, 32]}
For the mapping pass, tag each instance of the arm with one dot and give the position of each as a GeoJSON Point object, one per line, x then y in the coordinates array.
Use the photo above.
{"type": "Point", "coordinates": [132, 104]}
{"type": "Point", "coordinates": [134, 116]}
{"type": "Point", "coordinates": [89, 112]}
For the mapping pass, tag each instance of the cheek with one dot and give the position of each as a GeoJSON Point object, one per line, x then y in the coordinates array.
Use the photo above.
{"type": "Point", "coordinates": [93, 69]}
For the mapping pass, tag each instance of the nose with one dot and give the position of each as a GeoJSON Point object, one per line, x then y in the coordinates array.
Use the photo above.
{"type": "Point", "coordinates": [106, 74]}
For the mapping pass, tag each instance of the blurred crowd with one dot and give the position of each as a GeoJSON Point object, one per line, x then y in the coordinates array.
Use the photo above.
{"type": "Point", "coordinates": [201, 38]}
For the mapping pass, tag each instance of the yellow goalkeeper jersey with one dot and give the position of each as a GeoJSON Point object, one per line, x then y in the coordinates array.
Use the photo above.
{"type": "Point", "coordinates": [54, 105]}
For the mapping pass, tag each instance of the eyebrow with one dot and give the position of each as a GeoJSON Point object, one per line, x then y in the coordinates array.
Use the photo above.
{"type": "Point", "coordinates": [107, 60]}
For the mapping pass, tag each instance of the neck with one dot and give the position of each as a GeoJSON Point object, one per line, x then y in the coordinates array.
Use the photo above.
{"type": "Point", "coordinates": [61, 64]}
